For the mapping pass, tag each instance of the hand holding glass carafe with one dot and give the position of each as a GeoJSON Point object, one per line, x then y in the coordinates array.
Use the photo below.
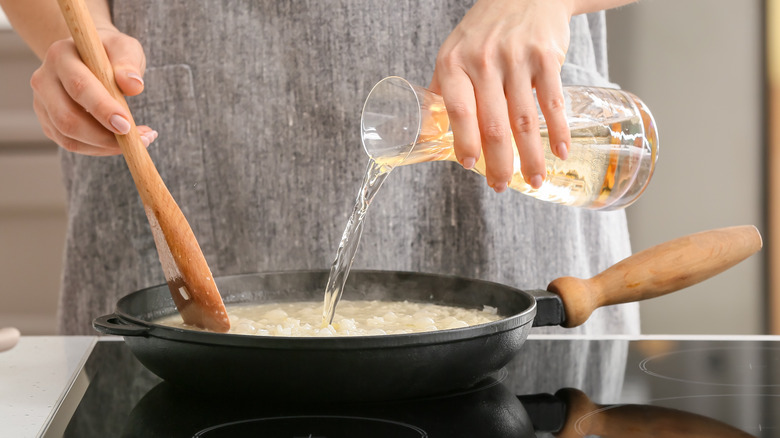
{"type": "Point", "coordinates": [613, 151]}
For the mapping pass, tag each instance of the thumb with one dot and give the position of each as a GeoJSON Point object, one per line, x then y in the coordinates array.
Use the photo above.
{"type": "Point", "coordinates": [129, 62]}
{"type": "Point", "coordinates": [129, 80]}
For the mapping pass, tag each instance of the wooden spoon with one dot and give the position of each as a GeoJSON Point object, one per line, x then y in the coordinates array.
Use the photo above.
{"type": "Point", "coordinates": [186, 271]}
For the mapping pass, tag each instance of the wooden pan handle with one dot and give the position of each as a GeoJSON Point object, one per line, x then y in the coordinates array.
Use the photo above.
{"type": "Point", "coordinates": [657, 271]}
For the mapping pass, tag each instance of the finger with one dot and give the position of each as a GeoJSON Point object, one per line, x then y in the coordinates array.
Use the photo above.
{"type": "Point", "coordinates": [78, 147]}
{"type": "Point", "coordinates": [458, 94]}
{"type": "Point", "coordinates": [73, 145]}
{"type": "Point", "coordinates": [495, 133]}
{"type": "Point", "coordinates": [524, 120]}
{"type": "Point", "coordinates": [129, 62]}
{"type": "Point", "coordinates": [67, 143]}
{"type": "Point", "coordinates": [549, 93]}
{"type": "Point", "coordinates": [148, 135]}
{"type": "Point", "coordinates": [65, 115]}
{"type": "Point", "coordinates": [88, 92]}
{"type": "Point", "coordinates": [146, 131]}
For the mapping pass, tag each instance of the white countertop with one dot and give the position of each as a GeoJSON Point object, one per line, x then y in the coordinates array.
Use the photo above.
{"type": "Point", "coordinates": [35, 376]}
{"type": "Point", "coordinates": [4, 24]}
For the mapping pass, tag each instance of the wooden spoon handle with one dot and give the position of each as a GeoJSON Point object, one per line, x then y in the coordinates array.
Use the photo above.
{"type": "Point", "coordinates": [189, 278]}
{"type": "Point", "coordinates": [657, 271]}
{"type": "Point", "coordinates": [92, 52]}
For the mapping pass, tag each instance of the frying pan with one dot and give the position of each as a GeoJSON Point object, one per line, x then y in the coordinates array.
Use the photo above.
{"type": "Point", "coordinates": [405, 366]}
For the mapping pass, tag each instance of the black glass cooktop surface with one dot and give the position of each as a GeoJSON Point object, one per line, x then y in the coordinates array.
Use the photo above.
{"type": "Point", "coordinates": [555, 387]}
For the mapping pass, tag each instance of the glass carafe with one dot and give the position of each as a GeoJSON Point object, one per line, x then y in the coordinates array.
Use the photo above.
{"type": "Point", "coordinates": [614, 142]}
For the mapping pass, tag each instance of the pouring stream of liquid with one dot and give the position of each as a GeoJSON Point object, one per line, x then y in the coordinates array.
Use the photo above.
{"type": "Point", "coordinates": [345, 255]}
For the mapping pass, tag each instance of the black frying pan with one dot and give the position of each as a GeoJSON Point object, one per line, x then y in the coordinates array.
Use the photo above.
{"type": "Point", "coordinates": [399, 366]}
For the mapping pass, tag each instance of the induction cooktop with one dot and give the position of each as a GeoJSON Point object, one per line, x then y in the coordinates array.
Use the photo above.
{"type": "Point", "coordinates": [573, 387]}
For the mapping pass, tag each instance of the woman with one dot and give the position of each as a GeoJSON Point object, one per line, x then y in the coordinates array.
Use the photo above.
{"type": "Point", "coordinates": [257, 105]}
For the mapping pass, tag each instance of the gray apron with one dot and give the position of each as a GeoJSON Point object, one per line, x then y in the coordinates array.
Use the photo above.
{"type": "Point", "coordinates": [258, 108]}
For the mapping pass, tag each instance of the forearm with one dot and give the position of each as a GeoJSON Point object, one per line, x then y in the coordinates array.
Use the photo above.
{"type": "Point", "coordinates": [40, 22]}
{"type": "Point", "coordinates": [586, 6]}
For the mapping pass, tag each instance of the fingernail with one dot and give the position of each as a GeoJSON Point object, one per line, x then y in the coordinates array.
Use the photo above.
{"type": "Point", "coordinates": [561, 151]}
{"type": "Point", "coordinates": [149, 137]}
{"type": "Point", "coordinates": [500, 187]}
{"type": "Point", "coordinates": [120, 124]}
{"type": "Point", "coordinates": [536, 181]}
{"type": "Point", "coordinates": [135, 76]}
{"type": "Point", "coordinates": [468, 163]}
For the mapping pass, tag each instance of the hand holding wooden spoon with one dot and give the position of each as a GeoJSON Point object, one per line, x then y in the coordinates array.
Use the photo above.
{"type": "Point", "coordinates": [189, 278]}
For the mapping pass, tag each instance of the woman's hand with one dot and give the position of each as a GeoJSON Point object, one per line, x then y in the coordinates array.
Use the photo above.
{"type": "Point", "coordinates": [74, 108]}
{"type": "Point", "coordinates": [487, 70]}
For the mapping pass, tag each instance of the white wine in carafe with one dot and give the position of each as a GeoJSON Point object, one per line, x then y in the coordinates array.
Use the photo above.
{"type": "Point", "coordinates": [595, 175]}
{"type": "Point", "coordinates": [599, 171]}
{"type": "Point", "coordinates": [612, 156]}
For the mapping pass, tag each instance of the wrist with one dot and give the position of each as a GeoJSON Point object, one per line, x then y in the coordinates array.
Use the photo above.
{"type": "Point", "coordinates": [101, 14]}
{"type": "Point", "coordinates": [587, 6]}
